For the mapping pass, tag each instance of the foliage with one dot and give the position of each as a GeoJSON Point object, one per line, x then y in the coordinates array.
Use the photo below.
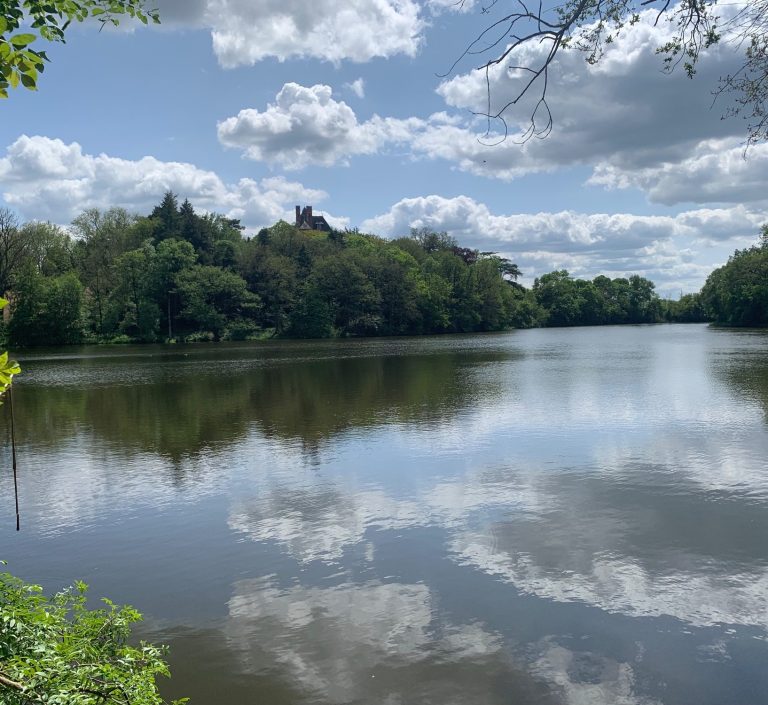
{"type": "Point", "coordinates": [211, 297]}
{"type": "Point", "coordinates": [737, 293]}
{"type": "Point", "coordinates": [46, 310]}
{"type": "Point", "coordinates": [566, 301]}
{"type": "Point", "coordinates": [23, 22]}
{"type": "Point", "coordinates": [179, 275]}
{"type": "Point", "coordinates": [8, 368]}
{"type": "Point", "coordinates": [59, 652]}
{"type": "Point", "coordinates": [689, 308]}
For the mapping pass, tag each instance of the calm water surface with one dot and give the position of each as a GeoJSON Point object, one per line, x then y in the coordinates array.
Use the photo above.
{"type": "Point", "coordinates": [542, 517]}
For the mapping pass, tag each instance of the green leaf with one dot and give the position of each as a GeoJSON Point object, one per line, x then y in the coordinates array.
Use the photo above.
{"type": "Point", "coordinates": [3, 25]}
{"type": "Point", "coordinates": [22, 40]}
{"type": "Point", "coordinates": [13, 79]}
{"type": "Point", "coordinates": [28, 82]}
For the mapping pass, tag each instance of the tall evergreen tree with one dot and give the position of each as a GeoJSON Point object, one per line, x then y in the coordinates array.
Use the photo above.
{"type": "Point", "coordinates": [167, 218]}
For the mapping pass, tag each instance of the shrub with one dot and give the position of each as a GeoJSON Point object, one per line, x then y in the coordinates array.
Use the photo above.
{"type": "Point", "coordinates": [58, 651]}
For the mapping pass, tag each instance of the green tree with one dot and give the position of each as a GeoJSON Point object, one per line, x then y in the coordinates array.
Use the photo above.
{"type": "Point", "coordinates": [49, 247]}
{"type": "Point", "coordinates": [24, 22]}
{"type": "Point", "coordinates": [689, 308]}
{"type": "Point", "coordinates": [737, 293]}
{"type": "Point", "coordinates": [644, 304]}
{"type": "Point", "coordinates": [494, 295]}
{"type": "Point", "coordinates": [167, 218]}
{"type": "Point", "coordinates": [434, 302]}
{"type": "Point", "coordinates": [351, 297]}
{"type": "Point", "coordinates": [312, 317]}
{"type": "Point", "coordinates": [274, 278]}
{"type": "Point", "coordinates": [394, 274]}
{"type": "Point", "coordinates": [525, 310]}
{"type": "Point", "coordinates": [171, 258]}
{"type": "Point", "coordinates": [58, 651]}
{"type": "Point", "coordinates": [100, 238]}
{"type": "Point", "coordinates": [431, 241]}
{"type": "Point", "coordinates": [224, 254]}
{"type": "Point", "coordinates": [212, 297]}
{"type": "Point", "coordinates": [464, 302]}
{"type": "Point", "coordinates": [558, 294]}
{"type": "Point", "coordinates": [138, 313]}
{"type": "Point", "coordinates": [192, 228]}
{"type": "Point", "coordinates": [46, 310]}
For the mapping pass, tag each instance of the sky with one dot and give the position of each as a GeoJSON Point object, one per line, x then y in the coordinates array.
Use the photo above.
{"type": "Point", "coordinates": [250, 107]}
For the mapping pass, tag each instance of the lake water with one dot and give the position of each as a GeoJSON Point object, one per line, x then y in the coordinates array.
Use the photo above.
{"type": "Point", "coordinates": [573, 516]}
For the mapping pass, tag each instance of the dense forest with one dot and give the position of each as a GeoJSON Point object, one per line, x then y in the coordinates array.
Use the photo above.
{"type": "Point", "coordinates": [736, 294]}
{"type": "Point", "coordinates": [179, 275]}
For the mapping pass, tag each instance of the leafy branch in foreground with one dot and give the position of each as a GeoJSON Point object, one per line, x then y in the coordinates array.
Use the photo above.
{"type": "Point", "coordinates": [58, 652]}
{"type": "Point", "coordinates": [8, 368]}
{"type": "Point", "coordinates": [22, 22]}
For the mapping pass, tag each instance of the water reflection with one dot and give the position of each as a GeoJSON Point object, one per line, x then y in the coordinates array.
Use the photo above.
{"type": "Point", "coordinates": [375, 642]}
{"type": "Point", "coordinates": [550, 517]}
{"type": "Point", "coordinates": [586, 678]}
{"type": "Point", "coordinates": [747, 377]}
{"type": "Point", "coordinates": [637, 542]}
{"type": "Point", "coordinates": [177, 408]}
{"type": "Point", "coordinates": [372, 643]}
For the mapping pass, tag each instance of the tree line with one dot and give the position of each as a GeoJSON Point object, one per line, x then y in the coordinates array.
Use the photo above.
{"type": "Point", "coordinates": [175, 274]}
{"type": "Point", "coordinates": [736, 294]}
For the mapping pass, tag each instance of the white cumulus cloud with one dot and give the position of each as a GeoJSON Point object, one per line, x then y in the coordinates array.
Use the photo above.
{"type": "Point", "coordinates": [48, 179]}
{"type": "Point", "coordinates": [636, 126]}
{"type": "Point", "coordinates": [307, 126]}
{"type": "Point", "coordinates": [245, 32]}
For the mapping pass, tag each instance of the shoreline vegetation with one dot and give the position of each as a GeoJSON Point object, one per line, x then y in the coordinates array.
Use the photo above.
{"type": "Point", "coordinates": [177, 276]}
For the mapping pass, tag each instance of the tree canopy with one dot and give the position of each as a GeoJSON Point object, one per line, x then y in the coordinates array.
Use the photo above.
{"type": "Point", "coordinates": [176, 274]}
{"type": "Point", "coordinates": [737, 293]}
{"type": "Point", "coordinates": [530, 36]}
{"type": "Point", "coordinates": [25, 22]}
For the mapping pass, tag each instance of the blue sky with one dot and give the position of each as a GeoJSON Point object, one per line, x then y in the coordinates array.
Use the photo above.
{"type": "Point", "coordinates": [248, 107]}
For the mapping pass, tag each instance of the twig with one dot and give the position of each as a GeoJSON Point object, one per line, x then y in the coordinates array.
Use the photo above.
{"type": "Point", "coordinates": [13, 455]}
{"type": "Point", "coordinates": [8, 683]}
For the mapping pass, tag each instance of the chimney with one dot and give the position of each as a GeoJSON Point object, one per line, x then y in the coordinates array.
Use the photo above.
{"type": "Point", "coordinates": [298, 216]}
{"type": "Point", "coordinates": [310, 220]}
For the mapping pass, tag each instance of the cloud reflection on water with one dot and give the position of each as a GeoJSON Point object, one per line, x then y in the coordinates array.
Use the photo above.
{"type": "Point", "coordinates": [387, 643]}
{"type": "Point", "coordinates": [637, 541]}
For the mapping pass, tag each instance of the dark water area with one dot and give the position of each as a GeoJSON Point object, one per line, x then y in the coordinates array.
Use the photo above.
{"type": "Point", "coordinates": [564, 517]}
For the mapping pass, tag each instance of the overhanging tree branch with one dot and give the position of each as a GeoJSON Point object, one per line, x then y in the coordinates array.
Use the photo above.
{"type": "Point", "coordinates": [531, 38]}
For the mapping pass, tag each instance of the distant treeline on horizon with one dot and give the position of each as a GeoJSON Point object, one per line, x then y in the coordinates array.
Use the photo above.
{"type": "Point", "coordinates": [178, 275]}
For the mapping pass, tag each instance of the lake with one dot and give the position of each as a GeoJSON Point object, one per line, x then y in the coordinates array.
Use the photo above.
{"type": "Point", "coordinates": [544, 517]}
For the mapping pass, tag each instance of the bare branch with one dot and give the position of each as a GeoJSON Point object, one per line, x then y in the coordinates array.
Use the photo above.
{"type": "Point", "coordinates": [589, 26]}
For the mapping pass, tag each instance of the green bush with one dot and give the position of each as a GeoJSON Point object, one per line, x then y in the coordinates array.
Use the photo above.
{"type": "Point", "coordinates": [242, 330]}
{"type": "Point", "coordinates": [57, 651]}
{"type": "Point", "coordinates": [201, 336]}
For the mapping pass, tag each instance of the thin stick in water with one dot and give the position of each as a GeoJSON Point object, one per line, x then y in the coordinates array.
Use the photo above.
{"type": "Point", "coordinates": [13, 455]}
